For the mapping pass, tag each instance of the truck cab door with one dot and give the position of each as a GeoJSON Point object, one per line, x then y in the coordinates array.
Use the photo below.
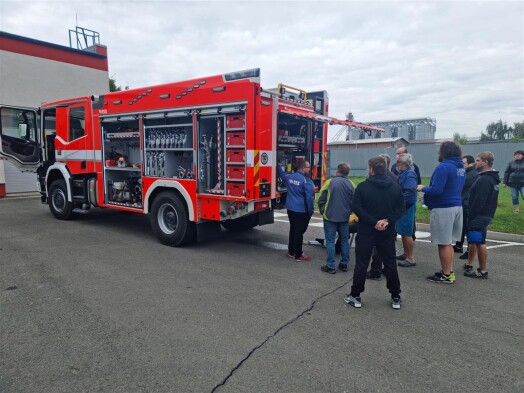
{"type": "Point", "coordinates": [19, 137]}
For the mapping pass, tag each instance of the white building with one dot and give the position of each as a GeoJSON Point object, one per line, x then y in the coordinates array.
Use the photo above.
{"type": "Point", "coordinates": [409, 129]}
{"type": "Point", "coordinates": [33, 72]}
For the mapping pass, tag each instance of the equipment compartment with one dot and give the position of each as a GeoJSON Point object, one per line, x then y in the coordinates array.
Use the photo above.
{"type": "Point", "coordinates": [236, 121]}
{"type": "Point", "coordinates": [236, 138]}
{"type": "Point", "coordinates": [168, 146]}
{"type": "Point", "coordinates": [236, 156]}
{"type": "Point", "coordinates": [222, 153]}
{"type": "Point", "coordinates": [235, 172]}
{"type": "Point", "coordinates": [122, 161]}
{"type": "Point", "coordinates": [236, 189]}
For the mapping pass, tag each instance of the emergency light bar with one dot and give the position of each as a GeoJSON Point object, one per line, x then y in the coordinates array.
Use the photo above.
{"type": "Point", "coordinates": [281, 88]}
{"type": "Point", "coordinates": [252, 73]}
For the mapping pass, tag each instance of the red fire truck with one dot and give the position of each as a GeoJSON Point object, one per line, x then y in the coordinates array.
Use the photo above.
{"type": "Point", "coordinates": [193, 154]}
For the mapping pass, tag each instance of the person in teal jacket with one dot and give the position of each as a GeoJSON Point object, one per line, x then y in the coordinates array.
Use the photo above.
{"type": "Point", "coordinates": [335, 204]}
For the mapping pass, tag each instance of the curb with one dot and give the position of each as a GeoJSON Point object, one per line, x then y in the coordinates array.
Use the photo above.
{"type": "Point", "coordinates": [16, 195]}
{"type": "Point", "coordinates": [499, 236]}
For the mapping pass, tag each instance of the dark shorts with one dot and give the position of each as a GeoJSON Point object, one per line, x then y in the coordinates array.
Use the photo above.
{"type": "Point", "coordinates": [477, 229]}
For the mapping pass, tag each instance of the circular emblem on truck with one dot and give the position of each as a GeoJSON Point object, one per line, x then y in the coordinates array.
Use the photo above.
{"type": "Point", "coordinates": [264, 158]}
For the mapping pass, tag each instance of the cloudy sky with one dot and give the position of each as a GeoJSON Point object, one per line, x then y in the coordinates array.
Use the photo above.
{"type": "Point", "coordinates": [461, 62]}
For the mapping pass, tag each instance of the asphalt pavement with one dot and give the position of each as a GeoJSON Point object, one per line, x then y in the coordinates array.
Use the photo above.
{"type": "Point", "coordinates": [97, 304]}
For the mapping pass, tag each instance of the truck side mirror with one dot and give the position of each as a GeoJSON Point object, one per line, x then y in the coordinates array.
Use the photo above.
{"type": "Point", "coordinates": [22, 130]}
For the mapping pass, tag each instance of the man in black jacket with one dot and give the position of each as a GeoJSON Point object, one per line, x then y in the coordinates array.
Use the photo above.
{"type": "Point", "coordinates": [471, 176]}
{"type": "Point", "coordinates": [378, 203]}
{"type": "Point", "coordinates": [514, 179]}
{"type": "Point", "coordinates": [482, 206]}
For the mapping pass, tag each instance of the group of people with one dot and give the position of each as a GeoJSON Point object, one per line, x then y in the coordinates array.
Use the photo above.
{"type": "Point", "coordinates": [462, 196]}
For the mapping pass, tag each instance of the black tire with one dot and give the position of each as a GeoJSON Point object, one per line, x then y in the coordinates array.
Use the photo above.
{"type": "Point", "coordinates": [241, 224]}
{"type": "Point", "coordinates": [170, 220]}
{"type": "Point", "coordinates": [58, 203]}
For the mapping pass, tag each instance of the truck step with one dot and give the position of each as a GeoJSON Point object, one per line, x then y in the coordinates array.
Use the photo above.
{"type": "Point", "coordinates": [81, 211]}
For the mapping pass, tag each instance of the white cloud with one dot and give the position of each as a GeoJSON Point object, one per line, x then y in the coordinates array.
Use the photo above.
{"type": "Point", "coordinates": [460, 62]}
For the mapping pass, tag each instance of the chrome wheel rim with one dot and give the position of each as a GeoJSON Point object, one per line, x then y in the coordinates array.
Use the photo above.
{"type": "Point", "coordinates": [167, 218]}
{"type": "Point", "coordinates": [59, 200]}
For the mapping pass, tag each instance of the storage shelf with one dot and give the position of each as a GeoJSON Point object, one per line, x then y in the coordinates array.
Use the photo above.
{"type": "Point", "coordinates": [170, 126]}
{"type": "Point", "coordinates": [126, 169]}
{"type": "Point", "coordinates": [123, 135]}
{"type": "Point", "coordinates": [235, 163]}
{"type": "Point", "coordinates": [235, 146]}
{"type": "Point", "coordinates": [236, 180]}
{"type": "Point", "coordinates": [235, 129]}
{"type": "Point", "coordinates": [168, 149]}
{"type": "Point", "coordinates": [295, 146]}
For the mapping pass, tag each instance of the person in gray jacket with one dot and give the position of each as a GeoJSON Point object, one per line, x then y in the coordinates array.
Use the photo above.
{"type": "Point", "coordinates": [335, 204]}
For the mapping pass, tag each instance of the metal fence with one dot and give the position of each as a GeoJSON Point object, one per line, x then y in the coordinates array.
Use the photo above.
{"type": "Point", "coordinates": [424, 155]}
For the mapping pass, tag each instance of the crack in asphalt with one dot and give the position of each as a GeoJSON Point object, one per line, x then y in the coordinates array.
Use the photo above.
{"type": "Point", "coordinates": [224, 381]}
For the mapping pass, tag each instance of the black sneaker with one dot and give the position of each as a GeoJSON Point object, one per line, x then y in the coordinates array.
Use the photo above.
{"type": "Point", "coordinates": [464, 256]}
{"type": "Point", "coordinates": [457, 248]}
{"type": "Point", "coordinates": [401, 257]}
{"type": "Point", "coordinates": [327, 269]}
{"type": "Point", "coordinates": [395, 302]}
{"type": "Point", "coordinates": [467, 268]}
{"type": "Point", "coordinates": [441, 278]}
{"type": "Point", "coordinates": [476, 274]}
{"type": "Point", "coordinates": [373, 276]}
{"type": "Point", "coordinates": [343, 268]}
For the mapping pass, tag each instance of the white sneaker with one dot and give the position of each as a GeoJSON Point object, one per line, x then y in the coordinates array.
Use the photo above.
{"type": "Point", "coordinates": [354, 301]}
{"type": "Point", "coordinates": [395, 302]}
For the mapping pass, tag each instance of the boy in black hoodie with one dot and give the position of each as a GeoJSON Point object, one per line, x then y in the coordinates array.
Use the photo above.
{"type": "Point", "coordinates": [378, 203]}
{"type": "Point", "coordinates": [482, 206]}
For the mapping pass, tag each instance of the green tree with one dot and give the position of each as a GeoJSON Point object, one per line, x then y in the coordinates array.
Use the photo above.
{"type": "Point", "coordinates": [497, 132]}
{"type": "Point", "coordinates": [518, 131]}
{"type": "Point", "coordinates": [461, 139]}
{"type": "Point", "coordinates": [113, 86]}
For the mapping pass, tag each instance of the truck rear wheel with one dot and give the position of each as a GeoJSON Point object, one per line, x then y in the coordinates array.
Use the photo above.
{"type": "Point", "coordinates": [241, 224]}
{"type": "Point", "coordinates": [170, 220]}
{"type": "Point", "coordinates": [58, 203]}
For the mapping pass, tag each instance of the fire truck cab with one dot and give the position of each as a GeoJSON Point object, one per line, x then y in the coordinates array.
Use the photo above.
{"type": "Point", "coordinates": [193, 154]}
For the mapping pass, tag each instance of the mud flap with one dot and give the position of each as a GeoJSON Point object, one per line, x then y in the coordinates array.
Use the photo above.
{"type": "Point", "coordinates": [208, 230]}
{"type": "Point", "coordinates": [266, 217]}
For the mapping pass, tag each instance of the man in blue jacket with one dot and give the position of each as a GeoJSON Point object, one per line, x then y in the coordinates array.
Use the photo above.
{"type": "Point", "coordinates": [443, 198]}
{"type": "Point", "coordinates": [299, 204]}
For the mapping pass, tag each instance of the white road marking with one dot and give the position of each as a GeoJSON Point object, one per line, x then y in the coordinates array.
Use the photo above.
{"type": "Point", "coordinates": [503, 245]}
{"type": "Point", "coordinates": [419, 234]}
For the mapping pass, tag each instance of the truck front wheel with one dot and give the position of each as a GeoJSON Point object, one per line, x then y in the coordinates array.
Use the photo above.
{"type": "Point", "coordinates": [170, 220]}
{"type": "Point", "coordinates": [58, 203]}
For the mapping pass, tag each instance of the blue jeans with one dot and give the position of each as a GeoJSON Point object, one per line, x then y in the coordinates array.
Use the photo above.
{"type": "Point", "coordinates": [515, 194]}
{"type": "Point", "coordinates": [330, 232]}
